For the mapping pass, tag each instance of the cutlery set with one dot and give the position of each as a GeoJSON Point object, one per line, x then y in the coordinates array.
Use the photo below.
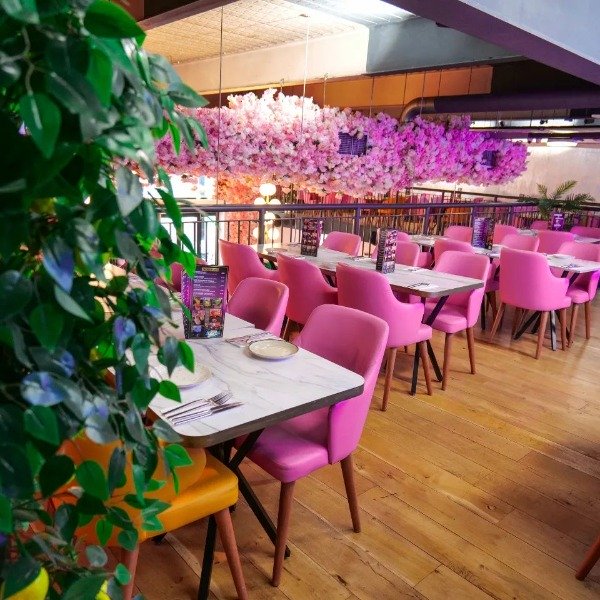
{"type": "Point", "coordinates": [199, 409]}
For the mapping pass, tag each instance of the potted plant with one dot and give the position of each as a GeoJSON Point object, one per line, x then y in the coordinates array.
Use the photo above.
{"type": "Point", "coordinates": [560, 201]}
{"type": "Point", "coordinates": [81, 106]}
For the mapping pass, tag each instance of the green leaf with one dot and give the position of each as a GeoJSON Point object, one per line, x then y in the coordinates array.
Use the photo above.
{"type": "Point", "coordinates": [69, 304]}
{"type": "Point", "coordinates": [200, 132]}
{"type": "Point", "coordinates": [6, 519]}
{"type": "Point", "coordinates": [183, 94]}
{"type": "Point", "coordinates": [65, 520]}
{"type": "Point", "coordinates": [59, 261]}
{"type": "Point", "coordinates": [21, 10]}
{"type": "Point", "coordinates": [40, 422]}
{"type": "Point", "coordinates": [96, 556]}
{"type": "Point", "coordinates": [66, 93]}
{"type": "Point", "coordinates": [177, 456]}
{"type": "Point", "coordinates": [128, 539]}
{"type": "Point", "coordinates": [122, 575]}
{"type": "Point", "coordinates": [55, 473]}
{"type": "Point", "coordinates": [100, 74]}
{"type": "Point", "coordinates": [92, 479]}
{"type": "Point", "coordinates": [186, 354]}
{"type": "Point", "coordinates": [163, 431]}
{"type": "Point", "coordinates": [42, 118]}
{"type": "Point", "coordinates": [15, 293]}
{"type": "Point", "coordinates": [129, 191]}
{"type": "Point", "coordinates": [86, 588]}
{"type": "Point", "coordinates": [116, 470]}
{"type": "Point", "coordinates": [106, 19]}
{"type": "Point", "coordinates": [47, 321]}
{"type": "Point", "coordinates": [141, 350]}
{"type": "Point", "coordinates": [171, 208]}
{"type": "Point", "coordinates": [20, 575]}
{"type": "Point", "coordinates": [104, 529]}
{"type": "Point", "coordinates": [41, 388]}
{"type": "Point", "coordinates": [169, 390]}
{"type": "Point", "coordinates": [16, 478]}
{"type": "Point", "coordinates": [169, 353]}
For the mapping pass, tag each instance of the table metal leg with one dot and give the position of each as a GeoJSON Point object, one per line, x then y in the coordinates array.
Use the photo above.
{"type": "Point", "coordinates": [434, 362]}
{"type": "Point", "coordinates": [553, 329]}
{"type": "Point", "coordinates": [527, 325]}
{"type": "Point", "coordinates": [429, 321]}
{"type": "Point", "coordinates": [207, 561]}
{"type": "Point", "coordinates": [483, 310]}
{"type": "Point", "coordinates": [413, 386]}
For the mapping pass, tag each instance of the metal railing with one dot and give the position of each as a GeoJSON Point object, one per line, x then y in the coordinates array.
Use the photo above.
{"type": "Point", "coordinates": [204, 225]}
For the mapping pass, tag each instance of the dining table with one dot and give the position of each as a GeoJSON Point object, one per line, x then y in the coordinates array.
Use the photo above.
{"type": "Point", "coordinates": [417, 281]}
{"type": "Point", "coordinates": [262, 393]}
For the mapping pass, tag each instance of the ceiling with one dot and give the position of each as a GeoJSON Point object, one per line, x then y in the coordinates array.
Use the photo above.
{"type": "Point", "coordinates": [255, 24]}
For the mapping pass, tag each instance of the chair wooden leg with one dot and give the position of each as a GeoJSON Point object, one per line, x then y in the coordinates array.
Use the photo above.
{"type": "Point", "coordinates": [588, 320]}
{"type": "Point", "coordinates": [541, 333]}
{"type": "Point", "coordinates": [422, 347]}
{"type": "Point", "coordinates": [515, 322]}
{"type": "Point", "coordinates": [130, 558]}
{"type": "Point", "coordinates": [493, 303]}
{"type": "Point", "coordinates": [573, 324]}
{"type": "Point", "coordinates": [497, 320]}
{"type": "Point", "coordinates": [447, 351]}
{"type": "Point", "coordinates": [562, 316]}
{"type": "Point", "coordinates": [471, 345]}
{"type": "Point", "coordinates": [348, 473]}
{"type": "Point", "coordinates": [286, 497]}
{"type": "Point", "coordinates": [227, 535]}
{"type": "Point", "coordinates": [389, 373]}
{"type": "Point", "coordinates": [589, 561]}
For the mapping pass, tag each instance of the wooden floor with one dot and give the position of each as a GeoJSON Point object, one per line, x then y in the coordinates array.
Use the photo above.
{"type": "Point", "coordinates": [488, 490]}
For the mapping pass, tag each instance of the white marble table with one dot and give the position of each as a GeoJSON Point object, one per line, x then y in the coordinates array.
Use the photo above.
{"type": "Point", "coordinates": [578, 238]}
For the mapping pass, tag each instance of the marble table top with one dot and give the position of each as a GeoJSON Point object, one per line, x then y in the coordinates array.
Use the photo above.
{"type": "Point", "coordinates": [271, 391]}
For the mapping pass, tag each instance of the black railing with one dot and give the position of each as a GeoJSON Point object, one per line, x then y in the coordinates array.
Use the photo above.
{"type": "Point", "coordinates": [250, 224]}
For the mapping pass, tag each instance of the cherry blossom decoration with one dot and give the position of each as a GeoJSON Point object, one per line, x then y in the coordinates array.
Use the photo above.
{"type": "Point", "coordinates": [290, 140]}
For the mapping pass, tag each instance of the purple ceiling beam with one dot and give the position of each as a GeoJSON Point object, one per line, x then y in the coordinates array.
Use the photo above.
{"type": "Point", "coordinates": [465, 18]}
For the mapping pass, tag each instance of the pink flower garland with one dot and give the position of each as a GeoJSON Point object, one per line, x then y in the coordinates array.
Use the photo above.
{"type": "Point", "coordinates": [292, 141]}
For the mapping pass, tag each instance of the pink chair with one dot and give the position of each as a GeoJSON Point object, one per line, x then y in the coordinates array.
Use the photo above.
{"type": "Point", "coordinates": [407, 253]}
{"type": "Point", "coordinates": [462, 233]}
{"type": "Point", "coordinates": [370, 292]}
{"type": "Point", "coordinates": [527, 284]}
{"type": "Point", "coordinates": [461, 311]}
{"type": "Point", "coordinates": [442, 245]}
{"type": "Point", "coordinates": [551, 241]}
{"type": "Point", "coordinates": [592, 232]}
{"type": "Point", "coordinates": [243, 261]}
{"type": "Point", "coordinates": [308, 288]}
{"type": "Point", "coordinates": [298, 447]}
{"type": "Point", "coordinates": [539, 225]}
{"type": "Point", "coordinates": [518, 241]}
{"type": "Point", "coordinates": [350, 243]}
{"type": "Point", "coordinates": [261, 302]}
{"type": "Point", "coordinates": [583, 289]}
{"type": "Point", "coordinates": [401, 237]}
{"type": "Point", "coordinates": [501, 231]}
{"type": "Point", "coordinates": [176, 275]}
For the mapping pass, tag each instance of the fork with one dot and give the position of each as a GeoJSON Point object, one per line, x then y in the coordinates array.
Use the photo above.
{"type": "Point", "coordinates": [194, 416]}
{"type": "Point", "coordinates": [219, 399]}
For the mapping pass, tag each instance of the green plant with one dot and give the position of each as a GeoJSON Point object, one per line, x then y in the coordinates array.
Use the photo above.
{"type": "Point", "coordinates": [559, 199]}
{"type": "Point", "coordinates": [80, 104]}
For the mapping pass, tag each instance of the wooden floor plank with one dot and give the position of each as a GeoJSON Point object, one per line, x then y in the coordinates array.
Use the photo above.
{"type": "Point", "coordinates": [445, 584]}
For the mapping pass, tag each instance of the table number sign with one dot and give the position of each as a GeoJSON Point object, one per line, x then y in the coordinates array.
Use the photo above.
{"type": "Point", "coordinates": [483, 232]}
{"type": "Point", "coordinates": [386, 251]}
{"type": "Point", "coordinates": [557, 221]}
{"type": "Point", "coordinates": [205, 295]}
{"type": "Point", "coordinates": [311, 236]}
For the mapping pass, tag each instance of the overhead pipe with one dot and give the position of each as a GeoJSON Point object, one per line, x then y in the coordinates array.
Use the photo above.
{"type": "Point", "coordinates": [473, 103]}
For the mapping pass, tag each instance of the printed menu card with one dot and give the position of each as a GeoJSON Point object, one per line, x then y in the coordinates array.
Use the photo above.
{"type": "Point", "coordinates": [386, 251]}
{"type": "Point", "coordinates": [205, 295]}
{"type": "Point", "coordinates": [483, 232]}
{"type": "Point", "coordinates": [311, 236]}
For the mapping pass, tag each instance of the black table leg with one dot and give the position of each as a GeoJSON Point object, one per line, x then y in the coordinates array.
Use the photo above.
{"type": "Point", "coordinates": [527, 325]}
{"type": "Point", "coordinates": [413, 385]}
{"type": "Point", "coordinates": [429, 321]}
{"type": "Point", "coordinates": [483, 309]}
{"type": "Point", "coordinates": [207, 561]}
{"type": "Point", "coordinates": [553, 329]}
{"type": "Point", "coordinates": [434, 362]}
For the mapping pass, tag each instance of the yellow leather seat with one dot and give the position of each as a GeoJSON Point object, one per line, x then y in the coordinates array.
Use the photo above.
{"type": "Point", "coordinates": [206, 487]}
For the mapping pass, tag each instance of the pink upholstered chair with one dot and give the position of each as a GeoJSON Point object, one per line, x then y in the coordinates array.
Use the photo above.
{"type": "Point", "coordinates": [527, 283]}
{"type": "Point", "coordinates": [501, 231]}
{"type": "Point", "coordinates": [442, 245]}
{"type": "Point", "coordinates": [295, 448]}
{"type": "Point", "coordinates": [518, 241]}
{"type": "Point", "coordinates": [407, 253]}
{"type": "Point", "coordinates": [261, 302]}
{"type": "Point", "coordinates": [592, 232]}
{"type": "Point", "coordinates": [461, 311]}
{"type": "Point", "coordinates": [308, 288]}
{"type": "Point", "coordinates": [176, 275]}
{"type": "Point", "coordinates": [243, 262]}
{"type": "Point", "coordinates": [539, 225]}
{"type": "Point", "coordinates": [461, 233]}
{"type": "Point", "coordinates": [401, 237]}
{"type": "Point", "coordinates": [583, 289]}
{"type": "Point", "coordinates": [551, 241]}
{"type": "Point", "coordinates": [350, 243]}
{"type": "Point", "coordinates": [370, 292]}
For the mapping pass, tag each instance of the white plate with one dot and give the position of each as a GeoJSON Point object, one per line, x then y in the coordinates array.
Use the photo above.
{"type": "Point", "coordinates": [562, 256]}
{"type": "Point", "coordinates": [273, 349]}
{"type": "Point", "coordinates": [180, 376]}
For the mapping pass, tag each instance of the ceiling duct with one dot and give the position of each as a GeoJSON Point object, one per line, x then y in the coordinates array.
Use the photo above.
{"type": "Point", "coordinates": [479, 103]}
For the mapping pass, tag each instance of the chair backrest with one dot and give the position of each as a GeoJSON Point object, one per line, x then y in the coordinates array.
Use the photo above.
{"type": "Point", "coordinates": [354, 340]}
{"type": "Point", "coordinates": [521, 242]}
{"type": "Point", "coordinates": [527, 282]}
{"type": "Point", "coordinates": [459, 232]}
{"type": "Point", "coordinates": [501, 231]}
{"type": "Point", "coordinates": [243, 261]}
{"type": "Point", "coordinates": [401, 237]}
{"type": "Point", "coordinates": [407, 253]}
{"type": "Point", "coordinates": [370, 292]}
{"type": "Point", "coordinates": [593, 232]}
{"type": "Point", "coordinates": [551, 241]}
{"type": "Point", "coordinates": [539, 225]}
{"type": "Point", "coordinates": [586, 281]}
{"type": "Point", "coordinates": [443, 245]}
{"type": "Point", "coordinates": [261, 302]}
{"type": "Point", "coordinates": [476, 266]}
{"type": "Point", "coordinates": [307, 288]}
{"type": "Point", "coordinates": [350, 243]}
